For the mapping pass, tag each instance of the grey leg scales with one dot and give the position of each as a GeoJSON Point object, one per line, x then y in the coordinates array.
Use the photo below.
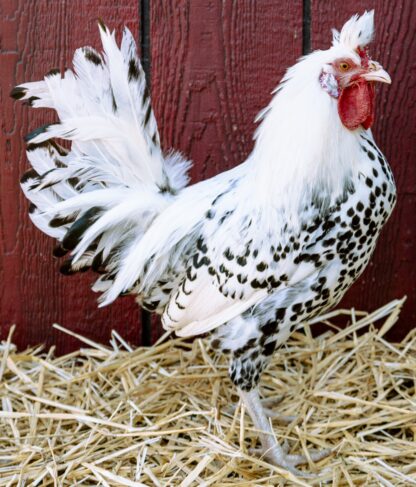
{"type": "Point", "coordinates": [271, 449]}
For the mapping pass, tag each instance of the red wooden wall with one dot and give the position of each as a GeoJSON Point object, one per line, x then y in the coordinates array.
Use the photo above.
{"type": "Point", "coordinates": [212, 65]}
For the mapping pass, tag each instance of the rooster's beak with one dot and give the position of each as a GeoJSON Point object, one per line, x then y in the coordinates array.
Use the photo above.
{"type": "Point", "coordinates": [377, 73]}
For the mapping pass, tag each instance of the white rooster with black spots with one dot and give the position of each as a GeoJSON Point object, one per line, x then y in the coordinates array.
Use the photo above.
{"type": "Point", "coordinates": [244, 256]}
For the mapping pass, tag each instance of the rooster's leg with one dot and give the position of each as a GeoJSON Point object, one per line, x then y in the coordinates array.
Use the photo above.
{"type": "Point", "coordinates": [268, 405]}
{"type": "Point", "coordinates": [271, 449]}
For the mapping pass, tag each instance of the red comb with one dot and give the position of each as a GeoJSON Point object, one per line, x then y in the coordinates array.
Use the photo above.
{"type": "Point", "coordinates": [365, 58]}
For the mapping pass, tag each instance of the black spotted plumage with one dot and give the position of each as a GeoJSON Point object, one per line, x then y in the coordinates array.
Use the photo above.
{"type": "Point", "coordinates": [328, 243]}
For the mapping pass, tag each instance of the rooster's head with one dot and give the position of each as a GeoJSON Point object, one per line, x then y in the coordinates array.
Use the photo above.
{"type": "Point", "coordinates": [349, 73]}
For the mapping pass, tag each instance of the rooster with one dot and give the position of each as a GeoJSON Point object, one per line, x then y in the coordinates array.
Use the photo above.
{"type": "Point", "coordinates": [244, 256]}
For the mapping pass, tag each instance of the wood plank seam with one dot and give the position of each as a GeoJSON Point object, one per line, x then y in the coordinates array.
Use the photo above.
{"type": "Point", "coordinates": [145, 55]}
{"type": "Point", "coordinates": [306, 27]}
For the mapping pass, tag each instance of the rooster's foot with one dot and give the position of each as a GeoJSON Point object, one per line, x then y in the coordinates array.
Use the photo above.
{"type": "Point", "coordinates": [280, 457]}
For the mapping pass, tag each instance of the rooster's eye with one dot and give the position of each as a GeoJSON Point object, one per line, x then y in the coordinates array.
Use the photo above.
{"type": "Point", "coordinates": [344, 66]}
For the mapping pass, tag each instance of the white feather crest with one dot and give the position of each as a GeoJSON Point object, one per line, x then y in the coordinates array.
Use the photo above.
{"type": "Point", "coordinates": [357, 32]}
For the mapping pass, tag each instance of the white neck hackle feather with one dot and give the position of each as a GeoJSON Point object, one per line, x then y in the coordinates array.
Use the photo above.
{"type": "Point", "coordinates": [301, 145]}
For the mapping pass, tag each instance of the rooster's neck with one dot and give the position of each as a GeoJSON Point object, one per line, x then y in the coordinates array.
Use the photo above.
{"type": "Point", "coordinates": [301, 145]}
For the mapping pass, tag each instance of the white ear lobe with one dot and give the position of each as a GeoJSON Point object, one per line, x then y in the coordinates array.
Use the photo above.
{"type": "Point", "coordinates": [329, 84]}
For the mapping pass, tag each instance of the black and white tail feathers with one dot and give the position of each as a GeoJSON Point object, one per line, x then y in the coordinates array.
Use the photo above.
{"type": "Point", "coordinates": [100, 196]}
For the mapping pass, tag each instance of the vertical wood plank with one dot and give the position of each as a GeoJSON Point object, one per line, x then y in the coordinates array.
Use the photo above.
{"type": "Point", "coordinates": [214, 64]}
{"type": "Point", "coordinates": [35, 37]}
{"type": "Point", "coordinates": [392, 270]}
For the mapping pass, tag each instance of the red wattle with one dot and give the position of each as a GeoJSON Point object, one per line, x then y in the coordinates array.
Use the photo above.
{"type": "Point", "coordinates": [356, 105]}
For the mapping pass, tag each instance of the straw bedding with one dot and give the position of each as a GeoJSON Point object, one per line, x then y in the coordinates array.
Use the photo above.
{"type": "Point", "coordinates": [163, 416]}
